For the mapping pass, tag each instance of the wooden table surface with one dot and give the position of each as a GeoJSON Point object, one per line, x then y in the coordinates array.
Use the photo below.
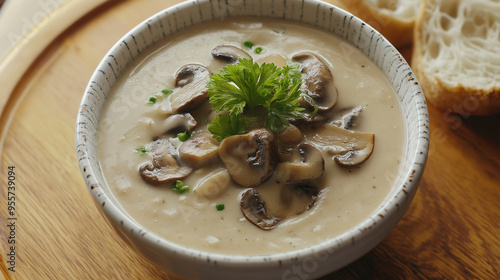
{"type": "Point", "coordinates": [451, 231]}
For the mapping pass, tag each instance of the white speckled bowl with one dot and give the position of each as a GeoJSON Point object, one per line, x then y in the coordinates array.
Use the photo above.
{"type": "Point", "coordinates": [313, 261]}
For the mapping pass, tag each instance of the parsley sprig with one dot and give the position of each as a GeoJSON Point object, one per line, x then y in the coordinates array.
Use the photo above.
{"type": "Point", "coordinates": [225, 125]}
{"type": "Point", "coordinates": [249, 87]}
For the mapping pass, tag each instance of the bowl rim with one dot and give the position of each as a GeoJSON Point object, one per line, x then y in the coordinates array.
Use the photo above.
{"type": "Point", "coordinates": [87, 121]}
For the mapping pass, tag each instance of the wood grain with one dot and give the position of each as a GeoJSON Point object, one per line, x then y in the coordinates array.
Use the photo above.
{"type": "Point", "coordinates": [450, 232]}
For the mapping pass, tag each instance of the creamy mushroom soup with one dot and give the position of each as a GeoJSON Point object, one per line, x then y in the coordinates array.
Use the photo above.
{"type": "Point", "coordinates": [269, 187]}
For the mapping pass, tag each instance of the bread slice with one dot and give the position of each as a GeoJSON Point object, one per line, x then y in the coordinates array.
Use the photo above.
{"type": "Point", "coordinates": [456, 55]}
{"type": "Point", "coordinates": [395, 19]}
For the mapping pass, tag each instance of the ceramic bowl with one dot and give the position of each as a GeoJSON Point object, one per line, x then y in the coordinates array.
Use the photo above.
{"type": "Point", "coordinates": [307, 263]}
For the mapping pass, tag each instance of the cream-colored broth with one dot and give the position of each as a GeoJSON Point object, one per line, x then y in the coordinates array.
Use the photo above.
{"type": "Point", "coordinates": [348, 195]}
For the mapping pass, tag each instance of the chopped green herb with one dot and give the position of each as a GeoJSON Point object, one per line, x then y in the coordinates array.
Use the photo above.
{"type": "Point", "coordinates": [246, 86]}
{"type": "Point", "coordinates": [183, 136]}
{"type": "Point", "coordinates": [152, 100]}
{"type": "Point", "coordinates": [142, 151]}
{"type": "Point", "coordinates": [259, 50]}
{"type": "Point", "coordinates": [166, 91]}
{"type": "Point", "coordinates": [248, 44]}
{"type": "Point", "coordinates": [219, 207]}
{"type": "Point", "coordinates": [179, 187]}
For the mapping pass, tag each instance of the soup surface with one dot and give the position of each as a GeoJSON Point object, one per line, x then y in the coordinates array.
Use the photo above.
{"type": "Point", "coordinates": [212, 220]}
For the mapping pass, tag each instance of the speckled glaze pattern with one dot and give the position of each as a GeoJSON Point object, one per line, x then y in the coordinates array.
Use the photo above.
{"type": "Point", "coordinates": [314, 261]}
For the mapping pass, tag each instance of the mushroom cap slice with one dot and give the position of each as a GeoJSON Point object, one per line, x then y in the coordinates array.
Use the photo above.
{"type": "Point", "coordinates": [199, 150]}
{"type": "Point", "coordinates": [289, 135]}
{"type": "Point", "coordinates": [249, 158]}
{"type": "Point", "coordinates": [191, 92]}
{"type": "Point", "coordinates": [172, 124]}
{"type": "Point", "coordinates": [296, 199]}
{"type": "Point", "coordinates": [165, 166]}
{"type": "Point", "coordinates": [179, 122]}
{"type": "Point", "coordinates": [287, 140]}
{"type": "Point", "coordinates": [229, 54]}
{"type": "Point", "coordinates": [276, 59]}
{"type": "Point", "coordinates": [348, 148]}
{"type": "Point", "coordinates": [317, 80]}
{"type": "Point", "coordinates": [254, 210]}
{"type": "Point", "coordinates": [306, 165]}
{"type": "Point", "coordinates": [213, 184]}
{"type": "Point", "coordinates": [285, 201]}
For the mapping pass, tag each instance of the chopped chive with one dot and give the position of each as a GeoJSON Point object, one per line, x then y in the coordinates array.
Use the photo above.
{"type": "Point", "coordinates": [259, 50]}
{"type": "Point", "coordinates": [142, 151]}
{"type": "Point", "coordinates": [219, 207]}
{"type": "Point", "coordinates": [183, 136]}
{"type": "Point", "coordinates": [248, 44]}
{"type": "Point", "coordinates": [152, 100]}
{"type": "Point", "coordinates": [179, 187]}
{"type": "Point", "coordinates": [167, 91]}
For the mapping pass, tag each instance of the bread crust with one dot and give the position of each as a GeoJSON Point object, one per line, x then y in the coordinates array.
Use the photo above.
{"type": "Point", "coordinates": [448, 97]}
{"type": "Point", "coordinates": [399, 31]}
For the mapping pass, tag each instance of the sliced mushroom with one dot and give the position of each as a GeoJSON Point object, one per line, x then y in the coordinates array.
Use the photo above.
{"type": "Point", "coordinates": [289, 135]}
{"type": "Point", "coordinates": [295, 200]}
{"type": "Point", "coordinates": [285, 201]}
{"type": "Point", "coordinates": [178, 123]}
{"type": "Point", "coordinates": [317, 81]}
{"type": "Point", "coordinates": [287, 140]}
{"type": "Point", "coordinates": [348, 148]}
{"type": "Point", "coordinates": [213, 184]}
{"type": "Point", "coordinates": [307, 189]}
{"type": "Point", "coordinates": [191, 92]}
{"type": "Point", "coordinates": [307, 165]}
{"type": "Point", "coordinates": [276, 59]}
{"type": "Point", "coordinates": [254, 210]}
{"type": "Point", "coordinates": [229, 54]}
{"type": "Point", "coordinates": [249, 158]}
{"type": "Point", "coordinates": [199, 150]}
{"type": "Point", "coordinates": [165, 166]}
{"type": "Point", "coordinates": [348, 117]}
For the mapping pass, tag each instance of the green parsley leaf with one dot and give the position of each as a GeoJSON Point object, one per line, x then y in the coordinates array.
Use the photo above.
{"type": "Point", "coordinates": [247, 87]}
{"type": "Point", "coordinates": [179, 187]}
{"type": "Point", "coordinates": [243, 84]}
{"type": "Point", "coordinates": [219, 207]}
{"type": "Point", "coordinates": [225, 125]}
{"type": "Point", "coordinates": [142, 151]}
{"type": "Point", "coordinates": [183, 136]}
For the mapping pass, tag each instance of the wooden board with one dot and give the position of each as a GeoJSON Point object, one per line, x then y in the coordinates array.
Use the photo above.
{"type": "Point", "coordinates": [450, 231]}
